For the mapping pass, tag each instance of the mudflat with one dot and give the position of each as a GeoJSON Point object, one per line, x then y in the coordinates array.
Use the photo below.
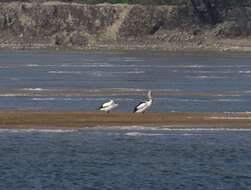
{"type": "Point", "coordinates": [23, 119]}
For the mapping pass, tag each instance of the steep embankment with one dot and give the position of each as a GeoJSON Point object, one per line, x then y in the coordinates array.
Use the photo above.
{"type": "Point", "coordinates": [63, 25]}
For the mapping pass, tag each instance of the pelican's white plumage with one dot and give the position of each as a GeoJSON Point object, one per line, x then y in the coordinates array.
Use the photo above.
{"type": "Point", "coordinates": [143, 106]}
{"type": "Point", "coordinates": [107, 103]}
{"type": "Point", "coordinates": [108, 106]}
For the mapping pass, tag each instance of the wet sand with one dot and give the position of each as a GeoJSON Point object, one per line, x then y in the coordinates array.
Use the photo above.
{"type": "Point", "coordinates": [99, 119]}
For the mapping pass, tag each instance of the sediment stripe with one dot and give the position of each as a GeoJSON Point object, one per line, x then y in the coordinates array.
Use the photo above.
{"type": "Point", "coordinates": [110, 92]}
{"type": "Point", "coordinates": [92, 119]}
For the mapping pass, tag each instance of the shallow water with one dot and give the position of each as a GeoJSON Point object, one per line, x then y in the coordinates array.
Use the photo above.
{"type": "Point", "coordinates": [25, 75]}
{"type": "Point", "coordinates": [132, 157]}
{"type": "Point", "coordinates": [123, 158]}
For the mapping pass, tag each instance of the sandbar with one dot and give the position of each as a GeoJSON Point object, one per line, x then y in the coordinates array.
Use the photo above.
{"type": "Point", "coordinates": [27, 119]}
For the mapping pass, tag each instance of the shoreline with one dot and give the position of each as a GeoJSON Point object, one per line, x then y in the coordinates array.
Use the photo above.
{"type": "Point", "coordinates": [78, 120]}
{"type": "Point", "coordinates": [155, 48]}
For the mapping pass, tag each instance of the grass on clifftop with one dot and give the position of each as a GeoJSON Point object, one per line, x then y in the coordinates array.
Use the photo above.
{"type": "Point", "coordinates": [153, 2]}
{"type": "Point", "coordinates": [170, 2]}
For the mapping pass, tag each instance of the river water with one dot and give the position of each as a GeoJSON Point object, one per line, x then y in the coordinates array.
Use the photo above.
{"type": "Point", "coordinates": [122, 157]}
{"type": "Point", "coordinates": [42, 81]}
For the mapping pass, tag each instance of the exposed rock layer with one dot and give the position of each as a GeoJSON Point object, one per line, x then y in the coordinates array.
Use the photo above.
{"type": "Point", "coordinates": [78, 26]}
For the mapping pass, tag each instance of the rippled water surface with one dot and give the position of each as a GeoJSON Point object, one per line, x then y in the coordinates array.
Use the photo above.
{"type": "Point", "coordinates": [81, 81]}
{"type": "Point", "coordinates": [125, 158]}
{"type": "Point", "coordinates": [137, 158]}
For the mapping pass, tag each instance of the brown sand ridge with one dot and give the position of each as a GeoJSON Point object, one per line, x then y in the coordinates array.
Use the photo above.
{"type": "Point", "coordinates": [92, 119]}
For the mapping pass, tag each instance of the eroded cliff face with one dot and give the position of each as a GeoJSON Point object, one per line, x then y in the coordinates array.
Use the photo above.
{"type": "Point", "coordinates": [64, 25]}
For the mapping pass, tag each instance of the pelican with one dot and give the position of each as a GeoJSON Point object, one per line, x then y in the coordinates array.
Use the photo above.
{"type": "Point", "coordinates": [108, 106]}
{"type": "Point", "coordinates": [143, 106]}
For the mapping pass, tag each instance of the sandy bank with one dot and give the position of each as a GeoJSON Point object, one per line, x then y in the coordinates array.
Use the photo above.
{"type": "Point", "coordinates": [93, 119]}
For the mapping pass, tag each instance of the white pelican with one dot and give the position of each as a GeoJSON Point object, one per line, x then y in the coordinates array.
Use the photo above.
{"type": "Point", "coordinates": [108, 106]}
{"type": "Point", "coordinates": [143, 106]}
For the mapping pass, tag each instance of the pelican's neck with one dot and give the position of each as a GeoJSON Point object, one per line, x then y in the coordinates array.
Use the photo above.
{"type": "Point", "coordinates": [150, 95]}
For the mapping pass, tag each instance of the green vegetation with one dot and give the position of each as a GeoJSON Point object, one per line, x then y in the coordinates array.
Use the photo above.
{"type": "Point", "coordinates": [152, 2]}
{"type": "Point", "coordinates": [170, 2]}
{"type": "Point", "coordinates": [212, 11]}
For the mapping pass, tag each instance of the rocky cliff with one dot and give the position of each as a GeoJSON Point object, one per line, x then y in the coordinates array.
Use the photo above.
{"type": "Point", "coordinates": [78, 26]}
